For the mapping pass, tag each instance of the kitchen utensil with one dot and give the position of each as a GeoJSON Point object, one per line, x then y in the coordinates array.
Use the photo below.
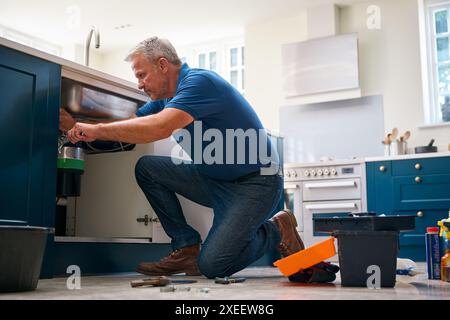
{"type": "Point", "coordinates": [389, 138]}
{"type": "Point", "coordinates": [406, 135]}
{"type": "Point", "coordinates": [397, 147]}
{"type": "Point", "coordinates": [394, 134]}
{"type": "Point", "coordinates": [426, 149]}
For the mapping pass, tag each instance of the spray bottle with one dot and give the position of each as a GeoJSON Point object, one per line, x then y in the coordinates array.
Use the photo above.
{"type": "Point", "coordinates": [445, 260]}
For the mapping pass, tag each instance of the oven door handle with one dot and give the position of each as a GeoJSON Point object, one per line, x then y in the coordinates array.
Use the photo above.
{"type": "Point", "coordinates": [330, 184]}
{"type": "Point", "coordinates": [350, 205]}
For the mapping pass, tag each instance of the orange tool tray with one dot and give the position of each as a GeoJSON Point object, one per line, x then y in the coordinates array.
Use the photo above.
{"type": "Point", "coordinates": [306, 258]}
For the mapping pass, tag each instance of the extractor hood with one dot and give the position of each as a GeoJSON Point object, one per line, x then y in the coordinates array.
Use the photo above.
{"type": "Point", "coordinates": [325, 66]}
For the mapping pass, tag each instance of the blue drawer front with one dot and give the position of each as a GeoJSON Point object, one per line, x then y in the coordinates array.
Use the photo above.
{"type": "Point", "coordinates": [432, 192]}
{"type": "Point", "coordinates": [439, 165]}
{"type": "Point", "coordinates": [428, 218]}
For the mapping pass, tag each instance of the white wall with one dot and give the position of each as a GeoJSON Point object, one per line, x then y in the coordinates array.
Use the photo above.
{"type": "Point", "coordinates": [263, 63]}
{"type": "Point", "coordinates": [75, 52]}
{"type": "Point", "coordinates": [389, 64]}
{"type": "Point", "coordinates": [113, 63]}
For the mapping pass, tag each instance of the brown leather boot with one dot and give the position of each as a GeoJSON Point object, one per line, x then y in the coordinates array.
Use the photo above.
{"type": "Point", "coordinates": [182, 260]}
{"type": "Point", "coordinates": [290, 239]}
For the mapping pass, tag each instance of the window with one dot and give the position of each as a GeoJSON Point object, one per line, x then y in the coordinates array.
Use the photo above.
{"type": "Point", "coordinates": [223, 56]}
{"type": "Point", "coordinates": [213, 61]}
{"type": "Point", "coordinates": [207, 60]}
{"type": "Point", "coordinates": [438, 36]}
{"type": "Point", "coordinates": [202, 61]}
{"type": "Point", "coordinates": [236, 67]}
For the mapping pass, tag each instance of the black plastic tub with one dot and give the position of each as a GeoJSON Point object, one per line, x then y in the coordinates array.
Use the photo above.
{"type": "Point", "coordinates": [21, 253]}
{"type": "Point", "coordinates": [365, 222]}
{"type": "Point", "coordinates": [360, 252]}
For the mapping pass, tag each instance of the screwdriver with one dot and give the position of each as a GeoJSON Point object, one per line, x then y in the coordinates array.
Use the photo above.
{"type": "Point", "coordinates": [158, 282]}
{"type": "Point", "coordinates": [228, 280]}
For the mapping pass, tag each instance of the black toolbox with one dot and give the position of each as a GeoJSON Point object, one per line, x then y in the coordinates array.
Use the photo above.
{"type": "Point", "coordinates": [367, 221]}
{"type": "Point", "coordinates": [367, 246]}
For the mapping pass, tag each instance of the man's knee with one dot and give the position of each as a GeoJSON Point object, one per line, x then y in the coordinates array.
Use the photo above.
{"type": "Point", "coordinates": [211, 267]}
{"type": "Point", "coordinates": [145, 166]}
{"type": "Point", "coordinates": [140, 168]}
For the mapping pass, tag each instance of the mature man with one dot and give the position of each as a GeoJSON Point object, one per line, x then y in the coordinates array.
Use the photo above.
{"type": "Point", "coordinates": [242, 195]}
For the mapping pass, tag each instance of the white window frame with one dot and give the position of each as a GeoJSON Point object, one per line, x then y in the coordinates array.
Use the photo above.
{"type": "Point", "coordinates": [432, 109]}
{"type": "Point", "coordinates": [207, 59]}
{"type": "Point", "coordinates": [240, 67]}
{"type": "Point", "coordinates": [221, 47]}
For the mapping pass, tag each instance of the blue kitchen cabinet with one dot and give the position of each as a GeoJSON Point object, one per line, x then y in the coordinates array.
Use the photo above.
{"type": "Point", "coordinates": [419, 187]}
{"type": "Point", "coordinates": [29, 90]}
{"type": "Point", "coordinates": [379, 194]}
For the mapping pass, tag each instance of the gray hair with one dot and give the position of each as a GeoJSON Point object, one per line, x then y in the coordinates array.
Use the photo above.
{"type": "Point", "coordinates": [154, 48]}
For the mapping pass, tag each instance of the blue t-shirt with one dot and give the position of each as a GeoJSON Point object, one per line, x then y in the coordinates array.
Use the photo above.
{"type": "Point", "coordinates": [223, 121]}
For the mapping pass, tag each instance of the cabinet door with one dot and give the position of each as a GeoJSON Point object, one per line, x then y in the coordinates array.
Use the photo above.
{"type": "Point", "coordinates": [412, 244]}
{"type": "Point", "coordinates": [379, 187]}
{"type": "Point", "coordinates": [29, 90]}
{"type": "Point", "coordinates": [422, 192]}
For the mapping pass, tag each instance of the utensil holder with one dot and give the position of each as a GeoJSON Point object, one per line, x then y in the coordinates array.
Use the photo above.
{"type": "Point", "coordinates": [397, 148]}
{"type": "Point", "coordinates": [387, 150]}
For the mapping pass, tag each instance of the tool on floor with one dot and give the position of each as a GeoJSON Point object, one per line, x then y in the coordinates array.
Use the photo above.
{"type": "Point", "coordinates": [228, 280]}
{"type": "Point", "coordinates": [158, 282]}
{"type": "Point", "coordinates": [167, 289]}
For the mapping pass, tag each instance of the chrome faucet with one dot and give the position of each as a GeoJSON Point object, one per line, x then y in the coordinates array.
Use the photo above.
{"type": "Point", "coordinates": [88, 43]}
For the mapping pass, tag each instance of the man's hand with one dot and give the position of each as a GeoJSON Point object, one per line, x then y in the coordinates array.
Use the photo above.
{"type": "Point", "coordinates": [66, 121]}
{"type": "Point", "coordinates": [83, 132]}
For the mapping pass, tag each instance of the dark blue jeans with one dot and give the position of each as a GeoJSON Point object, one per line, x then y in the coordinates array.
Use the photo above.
{"type": "Point", "coordinates": [240, 233]}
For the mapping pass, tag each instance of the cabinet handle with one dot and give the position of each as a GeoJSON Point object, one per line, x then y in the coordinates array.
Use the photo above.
{"type": "Point", "coordinates": [382, 168]}
{"type": "Point", "coordinates": [420, 214]}
{"type": "Point", "coordinates": [418, 179]}
{"type": "Point", "coordinates": [418, 166]}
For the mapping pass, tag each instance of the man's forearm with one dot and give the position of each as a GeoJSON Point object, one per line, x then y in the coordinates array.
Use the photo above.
{"type": "Point", "coordinates": [136, 130]}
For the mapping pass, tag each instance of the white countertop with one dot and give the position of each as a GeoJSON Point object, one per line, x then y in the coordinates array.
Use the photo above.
{"type": "Point", "coordinates": [409, 156]}
{"type": "Point", "coordinates": [368, 159]}
{"type": "Point", "coordinates": [70, 67]}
